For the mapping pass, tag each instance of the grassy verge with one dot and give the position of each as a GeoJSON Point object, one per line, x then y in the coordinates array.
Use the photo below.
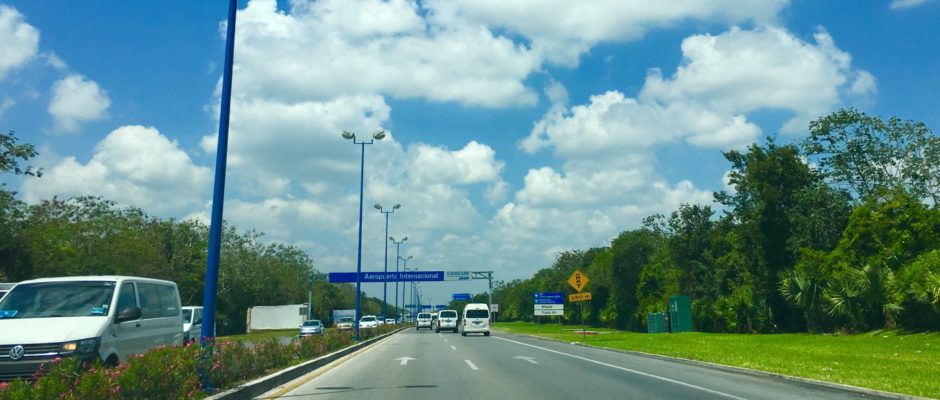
{"type": "Point", "coordinates": [261, 335]}
{"type": "Point", "coordinates": [889, 361]}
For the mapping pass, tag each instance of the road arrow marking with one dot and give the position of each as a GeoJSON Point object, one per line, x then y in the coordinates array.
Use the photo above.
{"type": "Point", "coordinates": [472, 366]}
{"type": "Point", "coordinates": [453, 347]}
{"type": "Point", "coordinates": [529, 359]}
{"type": "Point", "coordinates": [404, 360]}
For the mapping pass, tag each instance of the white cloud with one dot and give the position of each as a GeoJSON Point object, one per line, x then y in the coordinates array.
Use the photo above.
{"type": "Point", "coordinates": [472, 164]}
{"type": "Point", "coordinates": [5, 104]}
{"type": "Point", "coordinates": [19, 41]}
{"type": "Point", "coordinates": [133, 165]}
{"type": "Point", "coordinates": [902, 4]}
{"type": "Point", "coordinates": [331, 49]}
{"type": "Point", "coordinates": [76, 99]}
{"type": "Point", "coordinates": [741, 71]}
{"type": "Point", "coordinates": [562, 30]}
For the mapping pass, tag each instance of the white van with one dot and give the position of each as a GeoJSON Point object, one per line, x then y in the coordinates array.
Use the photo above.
{"type": "Point", "coordinates": [476, 319]}
{"type": "Point", "coordinates": [111, 317]}
{"type": "Point", "coordinates": [192, 323]}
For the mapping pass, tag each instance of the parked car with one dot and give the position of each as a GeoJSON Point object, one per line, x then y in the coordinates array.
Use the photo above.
{"type": "Point", "coordinates": [423, 321]}
{"type": "Point", "coordinates": [311, 327]}
{"type": "Point", "coordinates": [390, 321]}
{"type": "Point", "coordinates": [446, 320]}
{"type": "Point", "coordinates": [476, 319]}
{"type": "Point", "coordinates": [368, 321]}
{"type": "Point", "coordinates": [109, 318]}
{"type": "Point", "coordinates": [192, 323]}
{"type": "Point", "coordinates": [345, 324]}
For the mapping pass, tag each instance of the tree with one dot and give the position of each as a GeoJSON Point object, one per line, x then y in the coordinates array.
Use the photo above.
{"type": "Point", "coordinates": [864, 154]}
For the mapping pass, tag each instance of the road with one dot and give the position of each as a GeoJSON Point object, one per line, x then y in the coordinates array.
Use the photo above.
{"type": "Point", "coordinates": [426, 365]}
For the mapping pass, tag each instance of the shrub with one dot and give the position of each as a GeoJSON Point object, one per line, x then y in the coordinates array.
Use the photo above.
{"type": "Point", "coordinates": [173, 372]}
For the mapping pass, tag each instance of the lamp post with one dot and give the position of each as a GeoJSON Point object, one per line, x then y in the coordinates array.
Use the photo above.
{"type": "Point", "coordinates": [405, 268]}
{"type": "Point", "coordinates": [397, 259]}
{"type": "Point", "coordinates": [385, 277]}
{"type": "Point", "coordinates": [378, 135]}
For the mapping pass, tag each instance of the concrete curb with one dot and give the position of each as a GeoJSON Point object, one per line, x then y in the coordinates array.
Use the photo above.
{"type": "Point", "coordinates": [746, 371]}
{"type": "Point", "coordinates": [257, 387]}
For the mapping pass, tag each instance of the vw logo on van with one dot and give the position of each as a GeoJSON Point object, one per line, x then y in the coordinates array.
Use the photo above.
{"type": "Point", "coordinates": [17, 352]}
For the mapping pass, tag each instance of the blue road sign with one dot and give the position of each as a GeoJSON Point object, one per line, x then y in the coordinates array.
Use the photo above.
{"type": "Point", "coordinates": [461, 296]}
{"type": "Point", "coordinates": [411, 276]}
{"type": "Point", "coordinates": [549, 298]}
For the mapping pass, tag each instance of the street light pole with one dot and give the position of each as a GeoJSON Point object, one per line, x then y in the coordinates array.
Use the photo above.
{"type": "Point", "coordinates": [385, 277]}
{"type": "Point", "coordinates": [405, 268]}
{"type": "Point", "coordinates": [397, 259]}
{"type": "Point", "coordinates": [378, 135]}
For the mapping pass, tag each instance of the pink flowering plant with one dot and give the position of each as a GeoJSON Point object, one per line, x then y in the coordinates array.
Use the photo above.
{"type": "Point", "coordinates": [175, 372]}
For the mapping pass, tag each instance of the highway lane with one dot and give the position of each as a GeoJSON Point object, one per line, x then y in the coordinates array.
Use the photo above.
{"type": "Point", "coordinates": [425, 365]}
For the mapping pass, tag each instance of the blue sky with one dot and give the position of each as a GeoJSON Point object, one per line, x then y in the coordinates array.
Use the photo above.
{"type": "Point", "coordinates": [518, 129]}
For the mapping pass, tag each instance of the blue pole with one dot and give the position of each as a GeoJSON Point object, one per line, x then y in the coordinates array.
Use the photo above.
{"type": "Point", "coordinates": [362, 175]}
{"type": "Point", "coordinates": [385, 277]}
{"type": "Point", "coordinates": [215, 229]}
{"type": "Point", "coordinates": [397, 255]}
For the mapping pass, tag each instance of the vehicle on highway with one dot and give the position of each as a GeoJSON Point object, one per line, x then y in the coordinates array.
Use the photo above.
{"type": "Point", "coordinates": [368, 321]}
{"type": "Point", "coordinates": [345, 324]}
{"type": "Point", "coordinates": [109, 318]}
{"type": "Point", "coordinates": [192, 323]}
{"type": "Point", "coordinates": [446, 320]}
{"type": "Point", "coordinates": [476, 319]}
{"type": "Point", "coordinates": [4, 288]}
{"type": "Point", "coordinates": [423, 321]}
{"type": "Point", "coordinates": [311, 327]}
{"type": "Point", "coordinates": [390, 321]}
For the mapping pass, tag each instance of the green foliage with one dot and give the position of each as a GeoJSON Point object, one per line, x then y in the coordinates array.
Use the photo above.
{"type": "Point", "coordinates": [174, 372]}
{"type": "Point", "coordinates": [793, 250]}
{"type": "Point", "coordinates": [867, 154]}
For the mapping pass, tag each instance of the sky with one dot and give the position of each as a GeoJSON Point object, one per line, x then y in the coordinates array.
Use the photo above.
{"type": "Point", "coordinates": [516, 129]}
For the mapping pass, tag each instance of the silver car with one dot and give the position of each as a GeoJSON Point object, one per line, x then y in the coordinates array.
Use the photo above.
{"type": "Point", "coordinates": [311, 327]}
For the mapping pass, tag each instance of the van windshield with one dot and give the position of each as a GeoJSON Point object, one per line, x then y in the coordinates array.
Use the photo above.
{"type": "Point", "coordinates": [187, 315]}
{"type": "Point", "coordinates": [478, 314]}
{"type": "Point", "coordinates": [449, 314]}
{"type": "Point", "coordinates": [58, 299]}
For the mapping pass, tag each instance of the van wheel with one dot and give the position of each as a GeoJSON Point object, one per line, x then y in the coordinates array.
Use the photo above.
{"type": "Point", "coordinates": [464, 333]}
{"type": "Point", "coordinates": [112, 361]}
{"type": "Point", "coordinates": [486, 333]}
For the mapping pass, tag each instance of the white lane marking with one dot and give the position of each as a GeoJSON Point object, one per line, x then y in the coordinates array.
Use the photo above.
{"type": "Point", "coordinates": [445, 340]}
{"type": "Point", "coordinates": [529, 359]}
{"type": "Point", "coordinates": [404, 360]}
{"type": "Point", "coordinates": [648, 375]}
{"type": "Point", "coordinates": [452, 346]}
{"type": "Point", "coordinates": [472, 366]}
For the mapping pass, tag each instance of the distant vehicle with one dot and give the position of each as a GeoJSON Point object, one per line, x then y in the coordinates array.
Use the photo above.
{"type": "Point", "coordinates": [446, 320]}
{"type": "Point", "coordinates": [345, 324]}
{"type": "Point", "coordinates": [368, 321]}
{"type": "Point", "coordinates": [390, 321]}
{"type": "Point", "coordinates": [311, 327]}
{"type": "Point", "coordinates": [423, 321]}
{"type": "Point", "coordinates": [109, 318]}
{"type": "Point", "coordinates": [192, 323]}
{"type": "Point", "coordinates": [476, 319]}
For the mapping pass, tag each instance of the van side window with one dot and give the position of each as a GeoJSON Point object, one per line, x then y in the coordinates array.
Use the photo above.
{"type": "Point", "coordinates": [149, 300]}
{"type": "Point", "coordinates": [170, 307]}
{"type": "Point", "coordinates": [127, 298]}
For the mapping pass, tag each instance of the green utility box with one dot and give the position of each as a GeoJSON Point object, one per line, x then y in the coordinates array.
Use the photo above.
{"type": "Point", "coordinates": [657, 323]}
{"type": "Point", "coordinates": [680, 314]}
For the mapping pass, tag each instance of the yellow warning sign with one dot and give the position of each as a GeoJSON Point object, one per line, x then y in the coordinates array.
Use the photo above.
{"type": "Point", "coordinates": [579, 297]}
{"type": "Point", "coordinates": [578, 280]}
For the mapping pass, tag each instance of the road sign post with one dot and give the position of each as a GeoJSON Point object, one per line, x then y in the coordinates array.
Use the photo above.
{"type": "Point", "coordinates": [578, 281]}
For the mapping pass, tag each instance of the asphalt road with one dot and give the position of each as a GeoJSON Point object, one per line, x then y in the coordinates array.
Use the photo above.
{"type": "Point", "coordinates": [426, 365]}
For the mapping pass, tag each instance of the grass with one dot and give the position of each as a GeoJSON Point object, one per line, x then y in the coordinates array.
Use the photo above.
{"type": "Point", "coordinates": [261, 335]}
{"type": "Point", "coordinates": [890, 360]}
